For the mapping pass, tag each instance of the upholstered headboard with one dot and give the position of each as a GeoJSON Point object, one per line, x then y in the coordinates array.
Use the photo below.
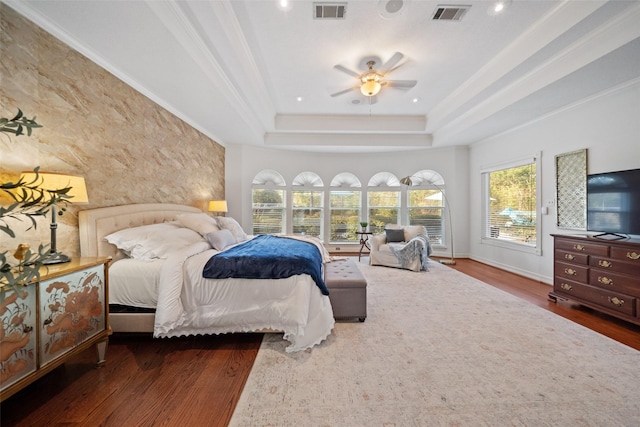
{"type": "Point", "coordinates": [95, 224]}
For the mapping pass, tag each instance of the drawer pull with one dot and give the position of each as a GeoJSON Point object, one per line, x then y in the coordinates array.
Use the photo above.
{"type": "Point", "coordinates": [570, 271]}
{"type": "Point", "coordinates": [578, 247]}
{"type": "Point", "coordinates": [616, 301]}
{"type": "Point", "coordinates": [604, 263]}
{"type": "Point", "coordinates": [566, 286]}
{"type": "Point", "coordinates": [569, 257]}
{"type": "Point", "coordinates": [633, 255]}
{"type": "Point", "coordinates": [605, 280]}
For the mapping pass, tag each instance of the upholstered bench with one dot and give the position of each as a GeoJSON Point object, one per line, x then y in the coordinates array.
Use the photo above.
{"type": "Point", "coordinates": [347, 289]}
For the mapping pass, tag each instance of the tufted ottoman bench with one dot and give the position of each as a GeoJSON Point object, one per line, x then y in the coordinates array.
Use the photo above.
{"type": "Point", "coordinates": [347, 289]}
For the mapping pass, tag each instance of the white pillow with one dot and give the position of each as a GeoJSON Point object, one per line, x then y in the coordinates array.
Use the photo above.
{"type": "Point", "coordinates": [153, 241]}
{"type": "Point", "coordinates": [220, 239]}
{"type": "Point", "coordinates": [199, 222]}
{"type": "Point", "coordinates": [232, 225]}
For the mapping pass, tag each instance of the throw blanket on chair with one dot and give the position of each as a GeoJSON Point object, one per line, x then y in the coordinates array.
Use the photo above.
{"type": "Point", "coordinates": [419, 246]}
{"type": "Point", "coordinates": [267, 257]}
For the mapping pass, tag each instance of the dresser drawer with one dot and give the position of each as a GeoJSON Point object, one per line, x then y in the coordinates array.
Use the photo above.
{"type": "Point", "coordinates": [614, 264]}
{"type": "Point", "coordinates": [572, 257]}
{"type": "Point", "coordinates": [629, 255]}
{"type": "Point", "coordinates": [572, 272]}
{"type": "Point", "coordinates": [615, 301]}
{"type": "Point", "coordinates": [580, 247]}
{"type": "Point", "coordinates": [613, 281]}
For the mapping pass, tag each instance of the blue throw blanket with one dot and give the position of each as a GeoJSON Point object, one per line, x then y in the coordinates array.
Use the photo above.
{"type": "Point", "coordinates": [267, 257]}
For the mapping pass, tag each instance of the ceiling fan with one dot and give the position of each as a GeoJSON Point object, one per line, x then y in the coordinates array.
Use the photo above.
{"type": "Point", "coordinates": [372, 80]}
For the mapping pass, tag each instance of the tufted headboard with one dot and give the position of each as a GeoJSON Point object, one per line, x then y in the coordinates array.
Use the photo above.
{"type": "Point", "coordinates": [95, 224]}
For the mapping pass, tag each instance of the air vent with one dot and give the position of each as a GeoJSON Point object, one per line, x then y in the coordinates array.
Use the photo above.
{"type": "Point", "coordinates": [449, 13]}
{"type": "Point", "coordinates": [329, 10]}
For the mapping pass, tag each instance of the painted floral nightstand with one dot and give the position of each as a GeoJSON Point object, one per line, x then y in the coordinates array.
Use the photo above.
{"type": "Point", "coordinates": [47, 322]}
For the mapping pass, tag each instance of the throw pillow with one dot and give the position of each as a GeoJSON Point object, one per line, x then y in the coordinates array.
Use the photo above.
{"type": "Point", "coordinates": [220, 239]}
{"type": "Point", "coordinates": [198, 222]}
{"type": "Point", "coordinates": [394, 235]}
{"type": "Point", "coordinates": [232, 225]}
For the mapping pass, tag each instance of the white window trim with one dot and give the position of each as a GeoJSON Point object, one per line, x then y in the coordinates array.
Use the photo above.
{"type": "Point", "coordinates": [485, 170]}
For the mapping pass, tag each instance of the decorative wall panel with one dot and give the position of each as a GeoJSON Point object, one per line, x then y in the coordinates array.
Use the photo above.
{"type": "Point", "coordinates": [571, 190]}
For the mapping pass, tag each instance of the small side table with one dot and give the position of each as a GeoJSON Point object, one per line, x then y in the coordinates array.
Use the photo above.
{"type": "Point", "coordinates": [364, 242]}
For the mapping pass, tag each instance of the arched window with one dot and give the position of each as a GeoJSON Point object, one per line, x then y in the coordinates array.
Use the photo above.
{"type": "Point", "coordinates": [383, 201]}
{"type": "Point", "coordinates": [268, 202]}
{"type": "Point", "coordinates": [426, 204]}
{"type": "Point", "coordinates": [345, 203]}
{"type": "Point", "coordinates": [307, 204]}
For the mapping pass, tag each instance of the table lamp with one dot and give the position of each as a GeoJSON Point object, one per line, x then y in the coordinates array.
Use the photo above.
{"type": "Point", "coordinates": [218, 206]}
{"type": "Point", "coordinates": [50, 181]}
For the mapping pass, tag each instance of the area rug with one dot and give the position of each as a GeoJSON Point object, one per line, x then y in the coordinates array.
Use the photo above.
{"type": "Point", "coordinates": [440, 348]}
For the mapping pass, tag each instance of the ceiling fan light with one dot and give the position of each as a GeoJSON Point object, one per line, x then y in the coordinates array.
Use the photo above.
{"type": "Point", "coordinates": [370, 88]}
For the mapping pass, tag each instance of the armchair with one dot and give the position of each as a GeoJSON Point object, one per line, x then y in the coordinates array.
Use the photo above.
{"type": "Point", "coordinates": [410, 250]}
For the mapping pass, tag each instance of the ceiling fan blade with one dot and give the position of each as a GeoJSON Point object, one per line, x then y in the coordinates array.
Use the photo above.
{"type": "Point", "coordinates": [406, 84]}
{"type": "Point", "coordinates": [342, 92]}
{"type": "Point", "coordinates": [346, 70]}
{"type": "Point", "coordinates": [391, 62]}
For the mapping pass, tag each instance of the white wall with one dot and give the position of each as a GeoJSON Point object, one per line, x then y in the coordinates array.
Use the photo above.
{"type": "Point", "coordinates": [608, 126]}
{"type": "Point", "coordinates": [243, 162]}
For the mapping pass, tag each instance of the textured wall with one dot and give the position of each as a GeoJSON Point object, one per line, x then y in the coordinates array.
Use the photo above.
{"type": "Point", "coordinates": [128, 148]}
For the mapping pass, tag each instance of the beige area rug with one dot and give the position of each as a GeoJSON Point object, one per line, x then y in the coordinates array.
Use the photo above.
{"type": "Point", "coordinates": [440, 348]}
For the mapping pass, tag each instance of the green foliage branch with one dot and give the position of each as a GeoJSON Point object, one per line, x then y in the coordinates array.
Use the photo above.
{"type": "Point", "coordinates": [18, 124]}
{"type": "Point", "coordinates": [30, 201]}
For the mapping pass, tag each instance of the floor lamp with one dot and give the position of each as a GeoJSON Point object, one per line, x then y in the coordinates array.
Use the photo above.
{"type": "Point", "coordinates": [48, 182]}
{"type": "Point", "coordinates": [408, 182]}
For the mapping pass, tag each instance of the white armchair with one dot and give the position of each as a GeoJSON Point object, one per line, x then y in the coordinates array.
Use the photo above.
{"type": "Point", "coordinates": [385, 252]}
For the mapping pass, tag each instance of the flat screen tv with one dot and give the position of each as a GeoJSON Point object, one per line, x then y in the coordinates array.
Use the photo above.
{"type": "Point", "coordinates": [613, 202]}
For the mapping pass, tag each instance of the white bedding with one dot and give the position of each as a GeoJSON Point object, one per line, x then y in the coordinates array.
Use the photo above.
{"type": "Point", "coordinates": [188, 304]}
{"type": "Point", "coordinates": [134, 283]}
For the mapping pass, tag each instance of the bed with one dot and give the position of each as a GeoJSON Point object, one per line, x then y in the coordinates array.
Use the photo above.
{"type": "Point", "coordinates": [168, 296]}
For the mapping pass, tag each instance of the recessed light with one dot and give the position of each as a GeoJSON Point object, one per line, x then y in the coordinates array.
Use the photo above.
{"type": "Point", "coordinates": [415, 100]}
{"type": "Point", "coordinates": [299, 99]}
{"type": "Point", "coordinates": [285, 5]}
{"type": "Point", "coordinates": [498, 6]}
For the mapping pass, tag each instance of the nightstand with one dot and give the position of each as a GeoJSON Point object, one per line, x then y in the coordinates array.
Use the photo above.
{"type": "Point", "coordinates": [47, 322]}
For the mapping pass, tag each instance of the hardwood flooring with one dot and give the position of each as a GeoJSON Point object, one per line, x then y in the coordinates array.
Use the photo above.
{"type": "Point", "coordinates": [198, 380]}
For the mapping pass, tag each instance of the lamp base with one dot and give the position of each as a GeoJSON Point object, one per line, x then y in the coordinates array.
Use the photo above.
{"type": "Point", "coordinates": [56, 258]}
{"type": "Point", "coordinates": [448, 261]}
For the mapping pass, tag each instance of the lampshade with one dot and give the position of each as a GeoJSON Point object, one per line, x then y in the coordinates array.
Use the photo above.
{"type": "Point", "coordinates": [218, 206]}
{"type": "Point", "coordinates": [57, 181]}
{"type": "Point", "coordinates": [370, 87]}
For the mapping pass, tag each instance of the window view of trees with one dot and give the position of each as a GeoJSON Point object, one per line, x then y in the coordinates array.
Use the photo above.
{"type": "Point", "coordinates": [334, 213]}
{"type": "Point", "coordinates": [307, 206]}
{"type": "Point", "coordinates": [384, 208]}
{"type": "Point", "coordinates": [512, 205]}
{"type": "Point", "coordinates": [268, 211]}
{"type": "Point", "coordinates": [345, 215]}
{"type": "Point", "coordinates": [426, 209]}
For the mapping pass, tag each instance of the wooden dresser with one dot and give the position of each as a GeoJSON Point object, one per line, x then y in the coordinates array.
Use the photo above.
{"type": "Point", "coordinates": [601, 274]}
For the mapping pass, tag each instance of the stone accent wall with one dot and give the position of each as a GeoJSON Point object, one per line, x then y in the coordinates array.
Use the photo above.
{"type": "Point", "coordinates": [129, 149]}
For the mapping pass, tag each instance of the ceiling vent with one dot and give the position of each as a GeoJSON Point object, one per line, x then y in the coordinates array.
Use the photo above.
{"type": "Point", "coordinates": [449, 12]}
{"type": "Point", "coordinates": [329, 10]}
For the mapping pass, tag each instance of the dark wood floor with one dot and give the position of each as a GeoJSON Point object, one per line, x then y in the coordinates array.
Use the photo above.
{"type": "Point", "coordinates": [159, 382]}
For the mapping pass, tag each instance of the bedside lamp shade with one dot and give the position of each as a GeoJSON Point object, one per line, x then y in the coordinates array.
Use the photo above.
{"type": "Point", "coordinates": [57, 181]}
{"type": "Point", "coordinates": [217, 206]}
